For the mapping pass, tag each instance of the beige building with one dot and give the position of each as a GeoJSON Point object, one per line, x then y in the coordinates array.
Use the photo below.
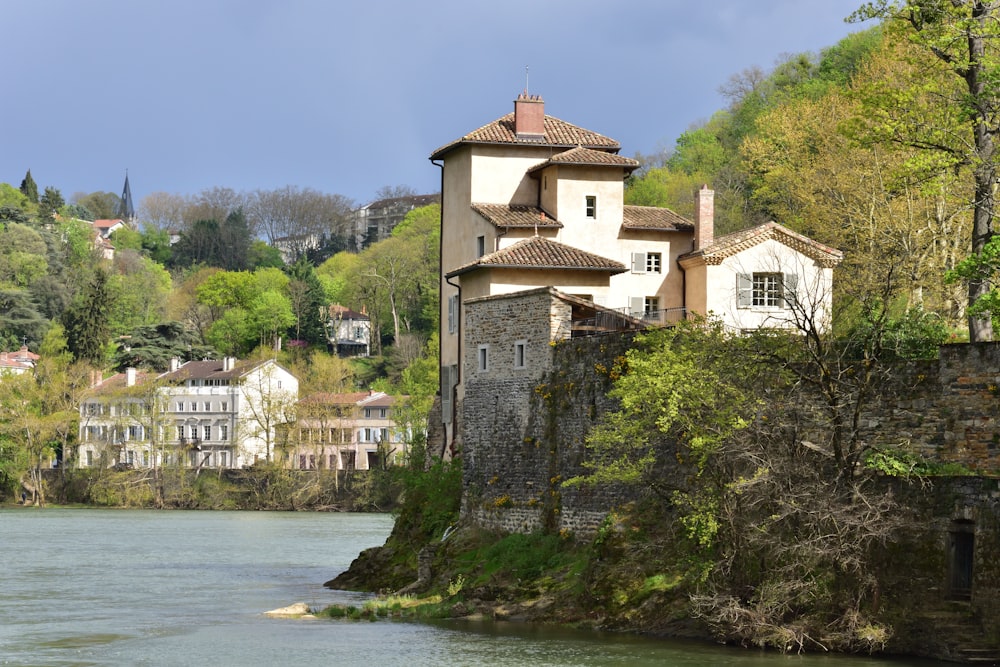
{"type": "Point", "coordinates": [348, 431]}
{"type": "Point", "coordinates": [532, 201]}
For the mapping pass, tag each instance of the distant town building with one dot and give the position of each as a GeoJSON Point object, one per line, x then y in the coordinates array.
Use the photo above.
{"type": "Point", "coordinates": [200, 414]}
{"type": "Point", "coordinates": [18, 362]}
{"type": "Point", "coordinates": [351, 431]}
{"type": "Point", "coordinates": [374, 222]}
{"type": "Point", "coordinates": [349, 332]}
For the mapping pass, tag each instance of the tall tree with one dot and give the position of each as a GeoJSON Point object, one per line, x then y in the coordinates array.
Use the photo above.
{"type": "Point", "coordinates": [87, 321]}
{"type": "Point", "coordinates": [49, 204]}
{"type": "Point", "coordinates": [29, 188]}
{"type": "Point", "coordinates": [955, 120]}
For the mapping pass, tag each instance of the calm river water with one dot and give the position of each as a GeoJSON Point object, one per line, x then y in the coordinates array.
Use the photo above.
{"type": "Point", "coordinates": [105, 587]}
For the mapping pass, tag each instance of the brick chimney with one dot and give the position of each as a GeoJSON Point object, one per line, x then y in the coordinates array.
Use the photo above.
{"type": "Point", "coordinates": [704, 217]}
{"type": "Point", "coordinates": [529, 116]}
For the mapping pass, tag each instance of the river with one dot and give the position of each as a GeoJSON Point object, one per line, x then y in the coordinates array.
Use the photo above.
{"type": "Point", "coordinates": [107, 587]}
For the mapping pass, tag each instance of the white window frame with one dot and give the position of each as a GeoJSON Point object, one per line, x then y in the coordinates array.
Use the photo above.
{"type": "Point", "coordinates": [590, 207]}
{"type": "Point", "coordinates": [766, 290]}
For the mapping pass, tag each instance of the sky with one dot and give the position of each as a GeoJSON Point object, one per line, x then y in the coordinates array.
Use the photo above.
{"type": "Point", "coordinates": [349, 97]}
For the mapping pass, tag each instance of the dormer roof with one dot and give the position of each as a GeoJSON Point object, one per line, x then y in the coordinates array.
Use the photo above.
{"type": "Point", "coordinates": [654, 218]}
{"type": "Point", "coordinates": [516, 216]}
{"type": "Point", "coordinates": [587, 157]}
{"type": "Point", "coordinates": [540, 253]}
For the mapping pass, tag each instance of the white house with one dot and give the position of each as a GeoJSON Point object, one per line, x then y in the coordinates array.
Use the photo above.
{"type": "Point", "coordinates": [531, 201]}
{"type": "Point", "coordinates": [214, 414]}
{"type": "Point", "coordinates": [349, 332]}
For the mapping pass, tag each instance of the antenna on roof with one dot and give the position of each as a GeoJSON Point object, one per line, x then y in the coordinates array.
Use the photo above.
{"type": "Point", "coordinates": [525, 80]}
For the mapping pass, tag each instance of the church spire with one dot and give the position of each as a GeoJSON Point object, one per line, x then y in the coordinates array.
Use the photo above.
{"type": "Point", "coordinates": [126, 210]}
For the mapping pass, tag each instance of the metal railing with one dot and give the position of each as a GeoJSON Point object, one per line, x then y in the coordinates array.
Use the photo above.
{"type": "Point", "coordinates": [623, 319]}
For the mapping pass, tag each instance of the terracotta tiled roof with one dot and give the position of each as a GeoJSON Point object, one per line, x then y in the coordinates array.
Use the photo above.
{"type": "Point", "coordinates": [539, 252]}
{"type": "Point", "coordinates": [731, 244]}
{"type": "Point", "coordinates": [588, 157]}
{"type": "Point", "coordinates": [654, 218]}
{"type": "Point", "coordinates": [345, 313]}
{"type": "Point", "coordinates": [210, 370]}
{"type": "Point", "coordinates": [558, 133]}
{"type": "Point", "coordinates": [107, 224]}
{"type": "Point", "coordinates": [118, 381]}
{"type": "Point", "coordinates": [507, 216]}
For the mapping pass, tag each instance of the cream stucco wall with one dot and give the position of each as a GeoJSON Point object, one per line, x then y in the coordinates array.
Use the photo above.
{"type": "Point", "coordinates": [719, 284]}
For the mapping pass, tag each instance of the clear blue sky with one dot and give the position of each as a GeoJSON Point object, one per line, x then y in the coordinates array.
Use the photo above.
{"type": "Point", "coordinates": [346, 97]}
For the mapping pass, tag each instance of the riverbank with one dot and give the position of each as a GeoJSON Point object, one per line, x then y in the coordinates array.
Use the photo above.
{"type": "Point", "coordinates": [262, 487]}
{"type": "Point", "coordinates": [634, 576]}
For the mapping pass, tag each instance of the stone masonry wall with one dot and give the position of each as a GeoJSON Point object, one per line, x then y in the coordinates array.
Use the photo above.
{"type": "Point", "coordinates": [526, 429]}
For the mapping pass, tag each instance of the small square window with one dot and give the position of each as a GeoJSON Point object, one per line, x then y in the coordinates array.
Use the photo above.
{"type": "Point", "coordinates": [653, 262]}
{"type": "Point", "coordinates": [591, 207]}
{"type": "Point", "coordinates": [766, 290]}
{"type": "Point", "coordinates": [651, 304]}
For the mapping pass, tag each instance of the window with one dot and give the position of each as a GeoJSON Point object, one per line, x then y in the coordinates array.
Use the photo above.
{"type": "Point", "coordinates": [653, 262]}
{"type": "Point", "coordinates": [224, 432]}
{"type": "Point", "coordinates": [223, 459]}
{"type": "Point", "coordinates": [484, 358]}
{"type": "Point", "coordinates": [453, 313]}
{"type": "Point", "coordinates": [194, 406]}
{"type": "Point", "coordinates": [766, 290]}
{"type": "Point", "coordinates": [480, 246]}
{"type": "Point", "coordinates": [206, 432]}
{"type": "Point", "coordinates": [591, 207]}
{"type": "Point", "coordinates": [90, 457]}
{"type": "Point", "coordinates": [208, 406]}
{"type": "Point", "coordinates": [650, 304]}
{"type": "Point", "coordinates": [145, 458]}
{"type": "Point", "coordinates": [359, 333]}
{"type": "Point", "coordinates": [519, 350]}
{"type": "Point", "coordinates": [647, 262]}
{"type": "Point", "coordinates": [180, 406]}
{"type": "Point", "coordinates": [180, 431]}
{"type": "Point", "coordinates": [225, 406]}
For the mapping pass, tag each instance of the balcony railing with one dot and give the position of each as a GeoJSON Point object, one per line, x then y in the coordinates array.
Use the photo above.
{"type": "Point", "coordinates": [622, 319]}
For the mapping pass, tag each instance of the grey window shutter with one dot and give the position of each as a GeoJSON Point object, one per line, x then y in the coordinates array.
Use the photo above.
{"type": "Point", "coordinates": [638, 262]}
{"type": "Point", "coordinates": [790, 287]}
{"type": "Point", "coordinates": [744, 290]}
{"type": "Point", "coordinates": [637, 306]}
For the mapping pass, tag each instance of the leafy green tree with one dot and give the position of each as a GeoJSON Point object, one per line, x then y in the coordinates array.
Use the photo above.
{"type": "Point", "coordinates": [88, 321]}
{"type": "Point", "coordinates": [309, 304]}
{"type": "Point", "coordinates": [12, 198]}
{"type": "Point", "coordinates": [29, 188]}
{"type": "Point", "coordinates": [139, 289]}
{"type": "Point", "coordinates": [20, 320]}
{"type": "Point", "coordinates": [49, 205]}
{"type": "Point", "coordinates": [23, 255]}
{"type": "Point", "coordinates": [103, 205]}
{"type": "Point", "coordinates": [953, 119]}
{"type": "Point", "coordinates": [262, 255]}
{"type": "Point", "coordinates": [152, 346]}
